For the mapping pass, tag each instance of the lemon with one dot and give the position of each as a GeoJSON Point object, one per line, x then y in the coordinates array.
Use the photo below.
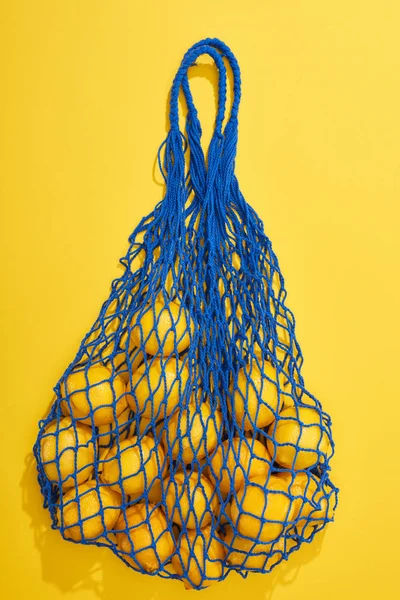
{"type": "Point", "coordinates": [296, 485]}
{"type": "Point", "coordinates": [149, 427]}
{"type": "Point", "coordinates": [254, 344]}
{"type": "Point", "coordinates": [199, 558]}
{"type": "Point", "coordinates": [105, 351]}
{"type": "Point", "coordinates": [261, 509]}
{"type": "Point", "coordinates": [292, 389]}
{"type": "Point", "coordinates": [225, 514]}
{"type": "Point", "coordinates": [145, 425]}
{"type": "Point", "coordinates": [132, 465]}
{"type": "Point", "coordinates": [120, 362]}
{"type": "Point", "coordinates": [245, 554]}
{"type": "Point", "coordinates": [255, 396]}
{"type": "Point", "coordinates": [192, 432]}
{"type": "Point", "coordinates": [319, 506]}
{"type": "Point", "coordinates": [67, 452]}
{"type": "Point", "coordinates": [191, 499]}
{"type": "Point", "coordinates": [93, 395]}
{"type": "Point", "coordinates": [237, 459]}
{"type": "Point", "coordinates": [115, 343]}
{"type": "Point", "coordinates": [162, 328]}
{"type": "Point", "coordinates": [144, 538]}
{"type": "Point", "coordinates": [122, 428]}
{"type": "Point", "coordinates": [297, 438]}
{"type": "Point", "coordinates": [155, 490]}
{"type": "Point", "coordinates": [157, 387]}
{"type": "Point", "coordinates": [288, 384]}
{"type": "Point", "coordinates": [287, 399]}
{"type": "Point", "coordinates": [84, 508]}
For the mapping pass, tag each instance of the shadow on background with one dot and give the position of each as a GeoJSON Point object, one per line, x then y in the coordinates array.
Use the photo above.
{"type": "Point", "coordinates": [75, 567]}
{"type": "Point", "coordinates": [70, 567]}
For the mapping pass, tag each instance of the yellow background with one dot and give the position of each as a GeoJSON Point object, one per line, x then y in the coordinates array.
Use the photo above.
{"type": "Point", "coordinates": [82, 109]}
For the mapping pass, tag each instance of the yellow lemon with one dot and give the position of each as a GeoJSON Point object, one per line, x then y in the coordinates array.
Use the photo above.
{"type": "Point", "coordinates": [288, 400]}
{"type": "Point", "coordinates": [225, 514]}
{"type": "Point", "coordinates": [287, 384]}
{"type": "Point", "coordinates": [157, 387]}
{"type": "Point", "coordinates": [162, 328]}
{"type": "Point", "coordinates": [67, 452]}
{"type": "Point", "coordinates": [133, 464]}
{"type": "Point", "coordinates": [120, 362]}
{"type": "Point", "coordinates": [143, 537]}
{"type": "Point", "coordinates": [192, 432]}
{"type": "Point", "coordinates": [82, 508]}
{"type": "Point", "coordinates": [255, 396]}
{"type": "Point", "coordinates": [262, 508]}
{"type": "Point", "coordinates": [200, 557]}
{"type": "Point", "coordinates": [254, 345]}
{"type": "Point", "coordinates": [191, 499]}
{"type": "Point", "coordinates": [286, 387]}
{"type": "Point", "coordinates": [245, 554]}
{"type": "Point", "coordinates": [319, 506]}
{"type": "Point", "coordinates": [291, 388]}
{"type": "Point", "coordinates": [145, 425]}
{"type": "Point", "coordinates": [297, 438]}
{"type": "Point", "coordinates": [122, 428]}
{"type": "Point", "coordinates": [148, 427]}
{"type": "Point", "coordinates": [296, 485]}
{"type": "Point", "coordinates": [93, 390]}
{"type": "Point", "coordinates": [114, 344]}
{"type": "Point", "coordinates": [155, 490]}
{"type": "Point", "coordinates": [236, 459]}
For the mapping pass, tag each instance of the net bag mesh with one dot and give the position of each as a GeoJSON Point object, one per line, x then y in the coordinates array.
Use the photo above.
{"type": "Point", "coordinates": [182, 436]}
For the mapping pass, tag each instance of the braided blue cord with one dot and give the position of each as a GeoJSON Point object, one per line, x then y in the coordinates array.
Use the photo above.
{"type": "Point", "coordinates": [201, 257]}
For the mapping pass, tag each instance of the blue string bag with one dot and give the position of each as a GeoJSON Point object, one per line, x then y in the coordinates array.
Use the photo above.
{"type": "Point", "coordinates": [182, 436]}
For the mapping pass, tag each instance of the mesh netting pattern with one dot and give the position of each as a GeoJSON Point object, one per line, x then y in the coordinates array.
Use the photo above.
{"type": "Point", "coordinates": [182, 436]}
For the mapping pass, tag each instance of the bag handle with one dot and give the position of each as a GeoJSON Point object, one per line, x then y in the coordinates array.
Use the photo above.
{"type": "Point", "coordinates": [224, 51]}
{"type": "Point", "coordinates": [200, 176]}
{"type": "Point", "coordinates": [181, 80]}
{"type": "Point", "coordinates": [228, 147]}
{"type": "Point", "coordinates": [222, 148]}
